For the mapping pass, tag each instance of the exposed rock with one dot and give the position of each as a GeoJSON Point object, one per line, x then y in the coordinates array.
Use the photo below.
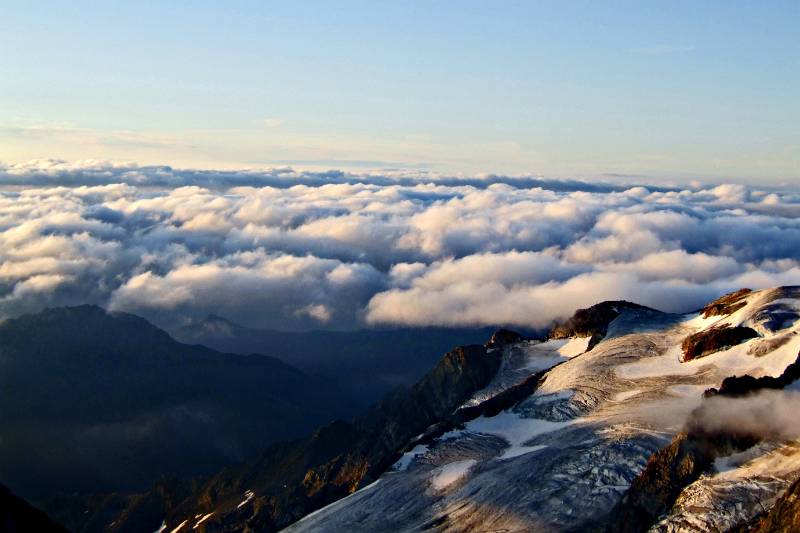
{"type": "Point", "coordinates": [560, 444]}
{"type": "Point", "coordinates": [503, 337]}
{"type": "Point", "coordinates": [667, 473]}
{"type": "Point", "coordinates": [130, 513]}
{"type": "Point", "coordinates": [370, 362]}
{"type": "Point", "coordinates": [736, 386]}
{"type": "Point", "coordinates": [593, 321]}
{"type": "Point", "coordinates": [689, 455]}
{"type": "Point", "coordinates": [727, 304]}
{"type": "Point", "coordinates": [715, 339]}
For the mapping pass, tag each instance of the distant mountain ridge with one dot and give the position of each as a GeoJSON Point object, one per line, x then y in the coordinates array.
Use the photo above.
{"type": "Point", "coordinates": [293, 478]}
{"type": "Point", "coordinates": [96, 401]}
{"type": "Point", "coordinates": [370, 362]}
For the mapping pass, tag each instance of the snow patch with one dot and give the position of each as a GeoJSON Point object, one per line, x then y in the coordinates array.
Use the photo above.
{"type": "Point", "coordinates": [248, 495]}
{"type": "Point", "coordinates": [699, 322]}
{"type": "Point", "coordinates": [687, 391]}
{"type": "Point", "coordinates": [448, 474]}
{"type": "Point", "coordinates": [337, 503]}
{"type": "Point", "coordinates": [547, 354]}
{"type": "Point", "coordinates": [622, 396]}
{"type": "Point", "coordinates": [574, 347]}
{"type": "Point", "coordinates": [408, 457]}
{"type": "Point", "coordinates": [668, 364]}
{"type": "Point", "coordinates": [515, 430]}
{"type": "Point", "coordinates": [180, 526]}
{"type": "Point", "coordinates": [206, 517]}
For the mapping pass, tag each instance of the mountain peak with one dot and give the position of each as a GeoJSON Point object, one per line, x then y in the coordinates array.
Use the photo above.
{"type": "Point", "coordinates": [503, 337]}
{"type": "Point", "coordinates": [593, 321]}
{"type": "Point", "coordinates": [85, 324]}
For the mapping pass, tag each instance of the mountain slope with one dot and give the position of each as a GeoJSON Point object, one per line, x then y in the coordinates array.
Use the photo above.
{"type": "Point", "coordinates": [371, 363]}
{"type": "Point", "coordinates": [95, 402]}
{"type": "Point", "coordinates": [17, 515]}
{"type": "Point", "coordinates": [565, 456]}
{"type": "Point", "coordinates": [294, 478]}
{"type": "Point", "coordinates": [539, 435]}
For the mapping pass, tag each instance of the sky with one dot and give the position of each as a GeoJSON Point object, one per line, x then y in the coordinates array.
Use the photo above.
{"type": "Point", "coordinates": [644, 90]}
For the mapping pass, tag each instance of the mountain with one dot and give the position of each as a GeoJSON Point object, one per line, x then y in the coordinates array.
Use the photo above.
{"type": "Point", "coordinates": [370, 363]}
{"type": "Point", "coordinates": [606, 425]}
{"type": "Point", "coordinates": [291, 479]}
{"type": "Point", "coordinates": [100, 402]}
{"type": "Point", "coordinates": [17, 515]}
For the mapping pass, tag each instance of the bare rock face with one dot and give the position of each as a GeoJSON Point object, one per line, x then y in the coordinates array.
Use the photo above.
{"type": "Point", "coordinates": [593, 321]}
{"type": "Point", "coordinates": [503, 337]}
{"type": "Point", "coordinates": [714, 340]}
{"type": "Point", "coordinates": [737, 386]}
{"type": "Point", "coordinates": [667, 473]}
{"type": "Point", "coordinates": [727, 304]}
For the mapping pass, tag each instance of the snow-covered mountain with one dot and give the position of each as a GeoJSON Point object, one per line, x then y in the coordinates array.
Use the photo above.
{"type": "Point", "coordinates": [622, 419]}
{"type": "Point", "coordinates": [564, 457]}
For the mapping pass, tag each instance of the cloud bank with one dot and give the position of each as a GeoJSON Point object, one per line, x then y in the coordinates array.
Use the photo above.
{"type": "Point", "coordinates": [286, 249]}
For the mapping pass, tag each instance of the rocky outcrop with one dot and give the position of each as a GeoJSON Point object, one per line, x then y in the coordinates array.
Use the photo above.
{"type": "Point", "coordinates": [727, 304]}
{"type": "Point", "coordinates": [560, 460]}
{"type": "Point", "coordinates": [503, 337]}
{"type": "Point", "coordinates": [689, 455]}
{"type": "Point", "coordinates": [132, 513]}
{"type": "Point", "coordinates": [737, 386]}
{"type": "Point", "coordinates": [714, 339]}
{"type": "Point", "coordinates": [593, 321]}
{"type": "Point", "coordinates": [667, 473]}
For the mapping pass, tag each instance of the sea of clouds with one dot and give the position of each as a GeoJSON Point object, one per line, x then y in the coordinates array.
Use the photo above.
{"type": "Point", "coordinates": [286, 249]}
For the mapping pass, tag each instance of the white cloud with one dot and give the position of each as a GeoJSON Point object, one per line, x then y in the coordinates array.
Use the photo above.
{"type": "Point", "coordinates": [286, 249]}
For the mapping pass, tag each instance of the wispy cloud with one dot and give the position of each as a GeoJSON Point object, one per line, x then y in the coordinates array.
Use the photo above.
{"type": "Point", "coordinates": [348, 163]}
{"type": "Point", "coordinates": [66, 132]}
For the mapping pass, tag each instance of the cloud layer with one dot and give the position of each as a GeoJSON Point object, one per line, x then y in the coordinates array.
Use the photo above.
{"type": "Point", "coordinates": [286, 249]}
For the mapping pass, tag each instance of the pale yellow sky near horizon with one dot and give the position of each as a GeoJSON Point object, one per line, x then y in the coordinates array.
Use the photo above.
{"type": "Point", "coordinates": [269, 147]}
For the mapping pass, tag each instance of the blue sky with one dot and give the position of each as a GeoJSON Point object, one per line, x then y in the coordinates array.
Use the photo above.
{"type": "Point", "coordinates": [663, 90]}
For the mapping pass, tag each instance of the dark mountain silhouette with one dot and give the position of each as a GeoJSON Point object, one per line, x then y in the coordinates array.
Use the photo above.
{"type": "Point", "coordinates": [371, 363]}
{"type": "Point", "coordinates": [291, 479]}
{"type": "Point", "coordinates": [94, 401]}
{"type": "Point", "coordinates": [18, 515]}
